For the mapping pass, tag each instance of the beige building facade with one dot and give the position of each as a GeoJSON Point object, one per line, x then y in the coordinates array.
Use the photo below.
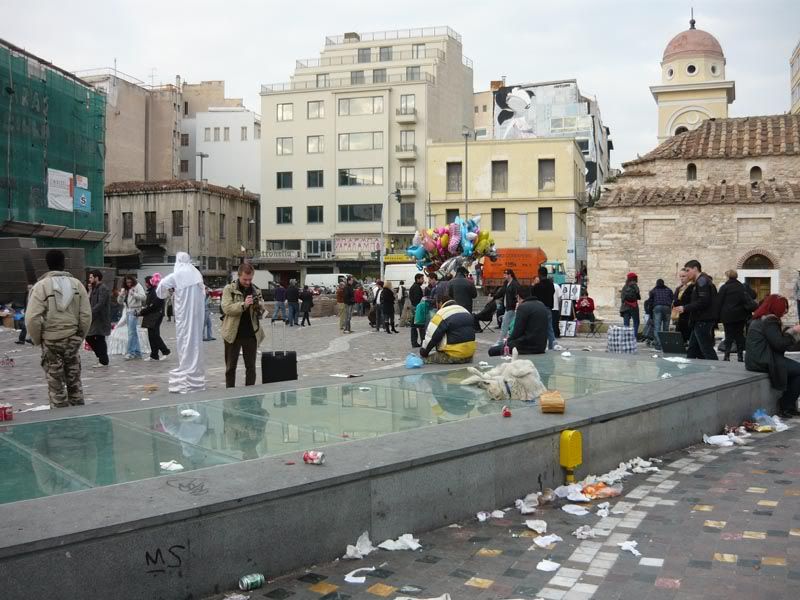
{"type": "Point", "coordinates": [529, 192]}
{"type": "Point", "coordinates": [349, 128]}
{"type": "Point", "coordinates": [142, 140]}
{"type": "Point", "coordinates": [150, 222]}
{"type": "Point", "coordinates": [693, 85]}
{"type": "Point", "coordinates": [726, 194]}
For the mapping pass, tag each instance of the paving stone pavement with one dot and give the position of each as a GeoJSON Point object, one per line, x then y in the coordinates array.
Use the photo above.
{"type": "Point", "coordinates": [321, 350]}
{"type": "Point", "coordinates": [713, 523]}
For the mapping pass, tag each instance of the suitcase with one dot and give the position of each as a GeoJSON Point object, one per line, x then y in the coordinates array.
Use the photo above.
{"type": "Point", "coordinates": [672, 342]}
{"type": "Point", "coordinates": [278, 365]}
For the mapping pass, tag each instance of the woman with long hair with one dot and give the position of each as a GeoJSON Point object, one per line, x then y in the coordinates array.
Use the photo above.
{"type": "Point", "coordinates": [387, 307]}
{"type": "Point", "coordinates": [767, 341]}
{"type": "Point", "coordinates": [132, 296]}
{"type": "Point", "coordinates": [152, 314]}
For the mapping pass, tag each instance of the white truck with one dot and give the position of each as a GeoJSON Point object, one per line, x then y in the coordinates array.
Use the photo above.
{"type": "Point", "coordinates": [325, 280]}
{"type": "Point", "coordinates": [400, 272]}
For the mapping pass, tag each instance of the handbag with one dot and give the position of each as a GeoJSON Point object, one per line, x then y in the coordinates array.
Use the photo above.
{"type": "Point", "coordinates": [621, 340]}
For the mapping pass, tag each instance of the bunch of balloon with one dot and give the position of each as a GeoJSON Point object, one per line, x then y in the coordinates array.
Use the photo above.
{"type": "Point", "coordinates": [445, 248]}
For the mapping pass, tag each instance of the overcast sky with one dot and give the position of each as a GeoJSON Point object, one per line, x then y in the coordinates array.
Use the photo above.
{"type": "Point", "coordinates": [613, 48]}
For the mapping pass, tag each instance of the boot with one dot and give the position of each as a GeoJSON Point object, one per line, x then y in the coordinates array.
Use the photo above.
{"type": "Point", "coordinates": [394, 329]}
{"type": "Point", "coordinates": [386, 327]}
{"type": "Point", "coordinates": [727, 356]}
{"type": "Point", "coordinates": [740, 356]}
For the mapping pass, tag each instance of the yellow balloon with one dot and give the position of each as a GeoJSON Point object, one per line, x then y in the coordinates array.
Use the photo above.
{"type": "Point", "coordinates": [444, 238]}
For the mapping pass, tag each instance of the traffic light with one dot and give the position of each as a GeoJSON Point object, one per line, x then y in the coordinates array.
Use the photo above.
{"type": "Point", "coordinates": [396, 194]}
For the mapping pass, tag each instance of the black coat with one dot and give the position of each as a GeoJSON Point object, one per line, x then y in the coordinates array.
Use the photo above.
{"type": "Point", "coordinates": [733, 300]}
{"type": "Point", "coordinates": [153, 310]}
{"type": "Point", "coordinates": [544, 291]}
{"type": "Point", "coordinates": [292, 294]}
{"type": "Point", "coordinates": [765, 346]}
{"type": "Point", "coordinates": [462, 290]}
{"type": "Point", "coordinates": [387, 301]}
{"type": "Point", "coordinates": [307, 301]}
{"type": "Point", "coordinates": [530, 327]}
{"type": "Point", "coordinates": [349, 294]}
{"type": "Point", "coordinates": [100, 301]}
{"type": "Point", "coordinates": [703, 304]}
{"type": "Point", "coordinates": [415, 294]}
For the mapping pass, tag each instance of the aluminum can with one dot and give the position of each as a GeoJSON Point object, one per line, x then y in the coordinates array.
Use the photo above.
{"type": "Point", "coordinates": [8, 413]}
{"type": "Point", "coordinates": [313, 457]}
{"type": "Point", "coordinates": [253, 581]}
{"type": "Point", "coordinates": [506, 411]}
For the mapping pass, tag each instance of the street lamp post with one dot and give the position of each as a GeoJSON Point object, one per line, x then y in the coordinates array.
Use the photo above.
{"type": "Point", "coordinates": [201, 155]}
{"type": "Point", "coordinates": [466, 133]}
{"type": "Point", "coordinates": [396, 194]}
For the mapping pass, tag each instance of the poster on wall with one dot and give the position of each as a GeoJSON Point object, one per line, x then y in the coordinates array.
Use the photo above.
{"type": "Point", "coordinates": [59, 190]}
{"type": "Point", "coordinates": [82, 199]}
{"type": "Point", "coordinates": [82, 181]}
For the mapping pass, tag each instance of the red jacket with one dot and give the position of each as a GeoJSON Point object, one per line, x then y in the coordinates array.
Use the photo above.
{"type": "Point", "coordinates": [359, 296]}
{"type": "Point", "coordinates": [584, 305]}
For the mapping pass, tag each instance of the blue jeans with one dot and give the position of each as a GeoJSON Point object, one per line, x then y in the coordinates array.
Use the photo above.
{"type": "Point", "coordinates": [634, 315]}
{"type": "Point", "coordinates": [508, 316]}
{"type": "Point", "coordinates": [133, 336]}
{"type": "Point", "coordinates": [209, 332]}
{"type": "Point", "coordinates": [294, 312]}
{"type": "Point", "coordinates": [661, 318]}
{"type": "Point", "coordinates": [280, 307]}
{"type": "Point", "coordinates": [551, 335]}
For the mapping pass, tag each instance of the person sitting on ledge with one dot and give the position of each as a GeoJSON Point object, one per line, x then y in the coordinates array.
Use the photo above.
{"type": "Point", "coordinates": [529, 332]}
{"type": "Point", "coordinates": [450, 337]}
{"type": "Point", "coordinates": [584, 307]}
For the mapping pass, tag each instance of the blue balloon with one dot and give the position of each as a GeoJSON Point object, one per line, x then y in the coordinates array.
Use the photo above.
{"type": "Point", "coordinates": [417, 252]}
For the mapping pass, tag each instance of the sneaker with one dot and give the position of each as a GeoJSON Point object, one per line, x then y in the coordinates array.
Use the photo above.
{"type": "Point", "coordinates": [99, 366]}
{"type": "Point", "coordinates": [20, 343]}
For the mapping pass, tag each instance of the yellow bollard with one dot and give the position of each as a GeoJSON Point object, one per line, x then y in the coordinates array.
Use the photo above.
{"type": "Point", "coordinates": [571, 452]}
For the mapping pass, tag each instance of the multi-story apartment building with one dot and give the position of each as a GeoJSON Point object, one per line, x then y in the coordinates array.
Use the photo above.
{"type": "Point", "coordinates": [528, 192]}
{"type": "Point", "coordinates": [151, 221]}
{"type": "Point", "coordinates": [143, 123]}
{"type": "Point", "coordinates": [549, 109]}
{"type": "Point", "coordinates": [794, 69]}
{"type": "Point", "coordinates": [348, 129]}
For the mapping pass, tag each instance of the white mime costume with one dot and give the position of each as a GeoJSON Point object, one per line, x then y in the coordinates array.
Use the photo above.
{"type": "Point", "coordinates": [190, 313]}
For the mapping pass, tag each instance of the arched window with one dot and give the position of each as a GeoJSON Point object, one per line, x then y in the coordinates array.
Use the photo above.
{"type": "Point", "coordinates": [680, 130]}
{"type": "Point", "coordinates": [755, 174]}
{"type": "Point", "coordinates": [691, 172]}
{"type": "Point", "coordinates": [758, 261]}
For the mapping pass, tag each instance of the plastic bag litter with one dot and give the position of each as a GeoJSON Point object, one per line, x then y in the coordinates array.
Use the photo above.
{"type": "Point", "coordinates": [172, 465]}
{"type": "Point", "coordinates": [410, 589]}
{"type": "Point", "coordinates": [678, 359]}
{"type": "Point", "coordinates": [413, 361]}
{"type": "Point", "coordinates": [528, 504]}
{"type": "Point", "coordinates": [563, 491]}
{"type": "Point", "coordinates": [543, 541]}
{"type": "Point", "coordinates": [362, 548]}
{"type": "Point", "coordinates": [574, 509]}
{"type": "Point", "coordinates": [404, 542]}
{"type": "Point", "coordinates": [762, 418]}
{"type": "Point", "coordinates": [483, 516]}
{"type": "Point", "coordinates": [584, 532]}
{"type": "Point", "coordinates": [546, 497]}
{"type": "Point", "coordinates": [536, 525]}
{"type": "Point", "coordinates": [566, 354]}
{"type": "Point", "coordinates": [455, 526]}
{"type": "Point", "coordinates": [629, 546]}
{"type": "Point", "coordinates": [353, 577]}
{"type": "Point", "coordinates": [545, 565]}
{"type": "Point", "coordinates": [189, 413]}
{"type": "Point", "coordinates": [578, 497]}
{"type": "Point", "coordinates": [723, 441]}
{"type": "Point", "coordinates": [498, 514]}
{"type": "Point", "coordinates": [602, 509]}
{"type": "Point", "coordinates": [779, 425]}
{"type": "Point", "coordinates": [666, 375]}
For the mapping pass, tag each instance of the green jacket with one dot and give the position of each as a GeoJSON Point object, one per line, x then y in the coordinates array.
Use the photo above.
{"type": "Point", "coordinates": [51, 315]}
{"type": "Point", "coordinates": [233, 307]}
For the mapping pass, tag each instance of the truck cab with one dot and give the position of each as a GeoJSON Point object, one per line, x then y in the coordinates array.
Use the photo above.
{"type": "Point", "coordinates": [555, 271]}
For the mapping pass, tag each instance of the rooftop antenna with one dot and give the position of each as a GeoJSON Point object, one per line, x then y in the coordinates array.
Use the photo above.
{"type": "Point", "coordinates": [692, 21]}
{"type": "Point", "coordinates": [153, 77]}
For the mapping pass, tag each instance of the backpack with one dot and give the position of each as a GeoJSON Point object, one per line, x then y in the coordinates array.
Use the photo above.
{"type": "Point", "coordinates": [629, 293]}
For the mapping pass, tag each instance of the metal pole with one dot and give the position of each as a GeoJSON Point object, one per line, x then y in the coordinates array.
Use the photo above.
{"type": "Point", "coordinates": [466, 177]}
{"type": "Point", "coordinates": [383, 240]}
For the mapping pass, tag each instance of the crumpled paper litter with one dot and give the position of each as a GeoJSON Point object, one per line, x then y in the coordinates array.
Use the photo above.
{"type": "Point", "coordinates": [362, 548]}
{"type": "Point", "coordinates": [536, 525]}
{"type": "Point", "coordinates": [354, 577]}
{"type": "Point", "coordinates": [404, 542]}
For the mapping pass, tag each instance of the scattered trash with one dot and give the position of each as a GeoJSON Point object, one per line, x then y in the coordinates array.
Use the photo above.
{"type": "Point", "coordinates": [253, 581]}
{"type": "Point", "coordinates": [237, 596]}
{"type": "Point", "coordinates": [543, 541]}
{"type": "Point", "coordinates": [150, 387]}
{"type": "Point", "coordinates": [578, 497]}
{"type": "Point", "coordinates": [362, 548]}
{"type": "Point", "coordinates": [566, 354]}
{"type": "Point", "coordinates": [528, 504]}
{"type": "Point", "coordinates": [6, 412]}
{"type": "Point", "coordinates": [678, 359]}
{"type": "Point", "coordinates": [584, 532]}
{"type": "Point", "coordinates": [442, 597]}
{"type": "Point", "coordinates": [574, 509]}
{"type": "Point", "coordinates": [587, 349]}
{"type": "Point", "coordinates": [483, 516]}
{"type": "Point", "coordinates": [484, 365]}
{"type": "Point", "coordinates": [404, 542]}
{"type": "Point", "coordinates": [352, 576]}
{"type": "Point", "coordinates": [410, 589]}
{"type": "Point", "coordinates": [413, 361]}
{"type": "Point", "coordinates": [629, 546]}
{"type": "Point", "coordinates": [172, 465]}
{"type": "Point", "coordinates": [602, 509]}
{"type": "Point", "coordinates": [547, 496]}
{"type": "Point", "coordinates": [563, 491]}
{"type": "Point", "coordinates": [144, 400]}
{"type": "Point", "coordinates": [536, 525]}
{"type": "Point", "coordinates": [723, 441]}
{"type": "Point", "coordinates": [363, 388]}
{"type": "Point", "coordinates": [189, 413]}
{"type": "Point", "coordinates": [545, 565]}
{"type": "Point", "coordinates": [313, 457]}
{"type": "Point", "coordinates": [498, 514]}
{"type": "Point", "coordinates": [666, 376]}
{"type": "Point", "coordinates": [346, 375]}
{"type": "Point", "coordinates": [506, 411]}
{"type": "Point", "coordinates": [762, 419]}
{"type": "Point", "coordinates": [455, 526]}
{"type": "Point", "coordinates": [36, 408]}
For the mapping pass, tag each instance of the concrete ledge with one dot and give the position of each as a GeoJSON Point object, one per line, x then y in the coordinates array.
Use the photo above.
{"type": "Point", "coordinates": [147, 539]}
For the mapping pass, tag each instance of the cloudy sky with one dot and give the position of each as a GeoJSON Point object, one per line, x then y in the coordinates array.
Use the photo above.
{"type": "Point", "coordinates": [611, 47]}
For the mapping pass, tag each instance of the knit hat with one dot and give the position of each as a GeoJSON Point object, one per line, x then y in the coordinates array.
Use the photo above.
{"type": "Point", "coordinates": [632, 275]}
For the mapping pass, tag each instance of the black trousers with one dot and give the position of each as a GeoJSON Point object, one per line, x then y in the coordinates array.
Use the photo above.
{"type": "Point", "coordinates": [788, 401]}
{"type": "Point", "coordinates": [306, 318]}
{"type": "Point", "coordinates": [248, 347]}
{"type": "Point", "coordinates": [556, 319]}
{"type": "Point", "coordinates": [156, 343]}
{"type": "Point", "coordinates": [734, 332]}
{"type": "Point", "coordinates": [99, 347]}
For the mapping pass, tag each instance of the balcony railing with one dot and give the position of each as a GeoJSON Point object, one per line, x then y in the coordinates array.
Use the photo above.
{"type": "Point", "coordinates": [406, 112]}
{"type": "Point", "coordinates": [151, 239]}
{"type": "Point", "coordinates": [405, 185]}
{"type": "Point", "coordinates": [408, 149]}
{"type": "Point", "coordinates": [374, 57]}
{"type": "Point", "coordinates": [272, 88]}
{"type": "Point", "coordinates": [397, 34]}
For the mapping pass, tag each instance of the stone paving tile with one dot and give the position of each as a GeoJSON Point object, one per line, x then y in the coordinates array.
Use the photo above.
{"type": "Point", "coordinates": [729, 553]}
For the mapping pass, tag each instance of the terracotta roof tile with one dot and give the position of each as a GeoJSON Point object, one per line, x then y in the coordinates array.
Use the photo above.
{"type": "Point", "coordinates": [748, 193]}
{"type": "Point", "coordinates": [169, 185]}
{"type": "Point", "coordinates": [772, 135]}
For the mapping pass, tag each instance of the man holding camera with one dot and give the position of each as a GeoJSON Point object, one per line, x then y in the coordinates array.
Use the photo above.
{"type": "Point", "coordinates": [241, 327]}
